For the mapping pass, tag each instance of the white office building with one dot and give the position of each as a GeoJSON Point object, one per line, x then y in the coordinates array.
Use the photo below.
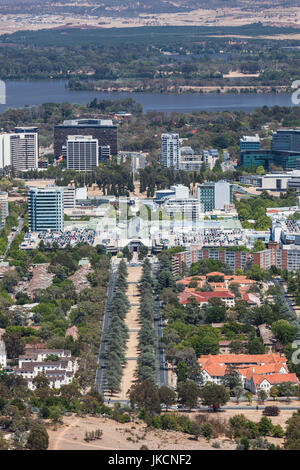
{"type": "Point", "coordinates": [170, 150]}
{"type": "Point", "coordinates": [82, 153]}
{"type": "Point", "coordinates": [186, 208]}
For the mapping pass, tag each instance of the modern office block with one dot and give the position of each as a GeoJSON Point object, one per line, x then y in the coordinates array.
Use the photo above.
{"type": "Point", "coordinates": [170, 150]}
{"type": "Point", "coordinates": [184, 207]}
{"type": "Point", "coordinates": [266, 158]}
{"type": "Point", "coordinates": [286, 139]}
{"type": "Point", "coordinates": [82, 153]}
{"type": "Point", "coordinates": [102, 129]}
{"type": "Point", "coordinates": [46, 209]}
{"type": "Point", "coordinates": [214, 195]}
{"type": "Point", "coordinates": [250, 142]}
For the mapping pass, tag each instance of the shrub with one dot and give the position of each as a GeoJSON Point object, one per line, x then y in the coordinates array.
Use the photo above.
{"type": "Point", "coordinates": [271, 411]}
{"type": "Point", "coordinates": [216, 445]}
{"type": "Point", "coordinates": [207, 431]}
{"type": "Point", "coordinates": [278, 431]}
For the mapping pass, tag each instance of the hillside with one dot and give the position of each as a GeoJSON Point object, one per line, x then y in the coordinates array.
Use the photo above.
{"type": "Point", "coordinates": [133, 7]}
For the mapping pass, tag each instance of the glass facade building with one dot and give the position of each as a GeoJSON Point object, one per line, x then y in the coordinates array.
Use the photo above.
{"type": "Point", "coordinates": [46, 209]}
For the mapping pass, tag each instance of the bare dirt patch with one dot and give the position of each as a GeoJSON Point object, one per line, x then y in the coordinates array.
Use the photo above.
{"type": "Point", "coordinates": [127, 436]}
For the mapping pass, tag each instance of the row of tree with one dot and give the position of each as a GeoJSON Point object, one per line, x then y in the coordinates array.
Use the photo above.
{"type": "Point", "coordinates": [146, 361]}
{"type": "Point", "coordinates": [114, 355]}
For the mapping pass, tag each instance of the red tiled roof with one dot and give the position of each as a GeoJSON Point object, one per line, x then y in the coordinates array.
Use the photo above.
{"type": "Point", "coordinates": [203, 296]}
{"type": "Point", "coordinates": [275, 379]}
{"type": "Point", "coordinates": [242, 360]}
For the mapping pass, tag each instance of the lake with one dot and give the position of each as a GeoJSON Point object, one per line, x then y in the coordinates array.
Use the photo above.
{"type": "Point", "coordinates": [31, 93]}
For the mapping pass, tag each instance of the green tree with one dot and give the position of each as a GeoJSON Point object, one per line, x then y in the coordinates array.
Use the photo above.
{"type": "Point", "coordinates": [214, 395]}
{"type": "Point", "coordinates": [167, 396]}
{"type": "Point", "coordinates": [38, 438]}
{"type": "Point", "coordinates": [188, 393]}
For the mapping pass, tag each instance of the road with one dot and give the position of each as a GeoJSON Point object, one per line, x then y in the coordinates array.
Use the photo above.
{"type": "Point", "coordinates": [13, 236]}
{"type": "Point", "coordinates": [100, 375]}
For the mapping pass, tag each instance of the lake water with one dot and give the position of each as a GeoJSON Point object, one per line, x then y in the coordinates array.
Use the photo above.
{"type": "Point", "coordinates": [22, 93]}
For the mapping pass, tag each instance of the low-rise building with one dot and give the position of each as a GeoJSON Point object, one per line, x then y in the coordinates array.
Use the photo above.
{"type": "Point", "coordinates": [58, 372]}
{"type": "Point", "coordinates": [269, 368]}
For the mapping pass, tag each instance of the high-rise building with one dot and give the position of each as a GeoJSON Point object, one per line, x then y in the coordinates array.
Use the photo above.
{"type": "Point", "coordinates": [20, 149]}
{"type": "Point", "coordinates": [284, 152]}
{"type": "Point", "coordinates": [5, 159]}
{"type": "Point", "coordinates": [46, 209]}
{"type": "Point", "coordinates": [3, 208]}
{"type": "Point", "coordinates": [214, 195]}
{"type": "Point", "coordinates": [102, 129]}
{"type": "Point", "coordinates": [170, 150]}
{"type": "Point", "coordinates": [82, 153]}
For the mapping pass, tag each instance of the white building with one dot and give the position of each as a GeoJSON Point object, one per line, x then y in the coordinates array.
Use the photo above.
{"type": "Point", "coordinates": [82, 152]}
{"type": "Point", "coordinates": [223, 194]}
{"type": "Point", "coordinates": [81, 193]}
{"type": "Point", "coordinates": [69, 197]}
{"type": "Point", "coordinates": [170, 150]}
{"type": "Point", "coordinates": [20, 149]}
{"type": "Point", "coordinates": [188, 208]}
{"type": "Point", "coordinates": [59, 372]}
{"type": "Point", "coordinates": [4, 212]}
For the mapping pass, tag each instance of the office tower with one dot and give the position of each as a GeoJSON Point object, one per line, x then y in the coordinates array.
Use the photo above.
{"type": "Point", "coordinates": [20, 149]}
{"type": "Point", "coordinates": [104, 153]}
{"type": "Point", "coordinates": [3, 208]}
{"type": "Point", "coordinates": [46, 209]}
{"type": "Point", "coordinates": [286, 139]}
{"type": "Point", "coordinates": [206, 197]}
{"type": "Point", "coordinates": [82, 153]}
{"type": "Point", "coordinates": [250, 142]}
{"type": "Point", "coordinates": [284, 152]}
{"type": "Point", "coordinates": [214, 195]}
{"type": "Point", "coordinates": [170, 150]}
{"type": "Point", "coordinates": [102, 129]}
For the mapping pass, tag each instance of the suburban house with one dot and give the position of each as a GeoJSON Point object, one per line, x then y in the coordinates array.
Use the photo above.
{"type": "Point", "coordinates": [252, 300]}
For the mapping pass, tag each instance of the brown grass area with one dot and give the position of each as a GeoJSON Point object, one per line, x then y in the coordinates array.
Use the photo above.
{"type": "Point", "coordinates": [127, 436]}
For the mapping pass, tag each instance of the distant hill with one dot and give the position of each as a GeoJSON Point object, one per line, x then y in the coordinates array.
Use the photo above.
{"type": "Point", "coordinates": [130, 7]}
